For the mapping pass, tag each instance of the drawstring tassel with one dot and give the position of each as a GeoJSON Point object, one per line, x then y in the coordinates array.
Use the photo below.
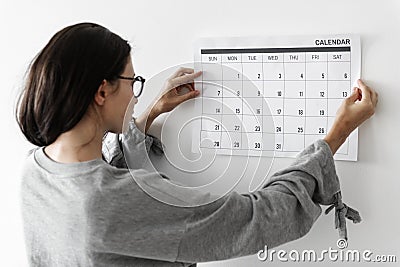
{"type": "Point", "coordinates": [342, 211]}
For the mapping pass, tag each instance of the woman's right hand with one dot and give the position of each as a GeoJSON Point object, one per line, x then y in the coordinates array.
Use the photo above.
{"type": "Point", "coordinates": [354, 110]}
{"type": "Point", "coordinates": [173, 93]}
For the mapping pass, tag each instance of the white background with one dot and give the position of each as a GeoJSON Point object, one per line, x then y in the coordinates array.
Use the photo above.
{"type": "Point", "coordinates": [162, 34]}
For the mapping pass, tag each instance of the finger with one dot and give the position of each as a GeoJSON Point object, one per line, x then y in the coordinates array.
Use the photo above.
{"type": "Point", "coordinates": [191, 86]}
{"type": "Point", "coordinates": [183, 88]}
{"type": "Point", "coordinates": [365, 91]}
{"type": "Point", "coordinates": [185, 79]}
{"type": "Point", "coordinates": [182, 71]}
{"type": "Point", "coordinates": [355, 95]}
{"type": "Point", "coordinates": [359, 93]}
{"type": "Point", "coordinates": [187, 86]}
{"type": "Point", "coordinates": [188, 95]}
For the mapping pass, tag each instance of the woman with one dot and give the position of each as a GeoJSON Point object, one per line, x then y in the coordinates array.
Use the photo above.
{"type": "Point", "coordinates": [82, 207]}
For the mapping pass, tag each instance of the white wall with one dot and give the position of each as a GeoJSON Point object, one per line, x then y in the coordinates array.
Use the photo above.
{"type": "Point", "coordinates": [162, 33]}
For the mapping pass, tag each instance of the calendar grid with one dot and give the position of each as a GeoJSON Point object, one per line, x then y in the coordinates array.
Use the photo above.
{"type": "Point", "coordinates": [292, 124]}
{"type": "Point", "coordinates": [305, 98]}
{"type": "Point", "coordinates": [222, 102]}
{"type": "Point", "coordinates": [283, 103]}
{"type": "Point", "coordinates": [262, 103]}
{"type": "Point", "coordinates": [241, 113]}
{"type": "Point", "coordinates": [327, 92]}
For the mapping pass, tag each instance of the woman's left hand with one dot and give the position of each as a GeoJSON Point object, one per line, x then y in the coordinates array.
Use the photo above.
{"type": "Point", "coordinates": [173, 92]}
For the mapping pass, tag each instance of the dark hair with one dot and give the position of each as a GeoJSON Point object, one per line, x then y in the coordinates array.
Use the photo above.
{"type": "Point", "coordinates": [64, 77]}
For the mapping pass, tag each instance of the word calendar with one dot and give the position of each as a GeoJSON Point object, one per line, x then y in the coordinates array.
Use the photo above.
{"type": "Point", "coordinates": [273, 95]}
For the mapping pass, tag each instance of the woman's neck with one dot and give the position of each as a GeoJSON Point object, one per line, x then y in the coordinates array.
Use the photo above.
{"type": "Point", "coordinates": [81, 143]}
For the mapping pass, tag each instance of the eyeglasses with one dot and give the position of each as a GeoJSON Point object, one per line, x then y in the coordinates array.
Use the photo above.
{"type": "Point", "coordinates": [137, 84]}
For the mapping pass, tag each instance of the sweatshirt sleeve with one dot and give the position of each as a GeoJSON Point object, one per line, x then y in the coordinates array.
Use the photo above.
{"type": "Point", "coordinates": [283, 210]}
{"type": "Point", "coordinates": [132, 146]}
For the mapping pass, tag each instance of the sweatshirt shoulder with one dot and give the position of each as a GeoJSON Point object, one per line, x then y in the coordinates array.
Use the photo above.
{"type": "Point", "coordinates": [30, 165]}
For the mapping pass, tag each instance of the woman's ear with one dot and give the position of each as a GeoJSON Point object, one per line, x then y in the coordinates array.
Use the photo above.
{"type": "Point", "coordinates": [102, 92]}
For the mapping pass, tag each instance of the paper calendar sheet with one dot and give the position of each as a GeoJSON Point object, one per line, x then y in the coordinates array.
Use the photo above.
{"type": "Point", "coordinates": [272, 96]}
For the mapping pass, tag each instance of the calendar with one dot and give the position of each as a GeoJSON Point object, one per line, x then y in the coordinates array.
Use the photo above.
{"type": "Point", "coordinates": [272, 96]}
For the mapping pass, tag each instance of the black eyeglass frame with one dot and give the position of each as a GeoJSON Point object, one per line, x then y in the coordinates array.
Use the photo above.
{"type": "Point", "coordinates": [134, 79]}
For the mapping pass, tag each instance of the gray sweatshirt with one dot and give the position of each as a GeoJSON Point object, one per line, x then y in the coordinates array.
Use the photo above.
{"type": "Point", "coordinates": [94, 214]}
